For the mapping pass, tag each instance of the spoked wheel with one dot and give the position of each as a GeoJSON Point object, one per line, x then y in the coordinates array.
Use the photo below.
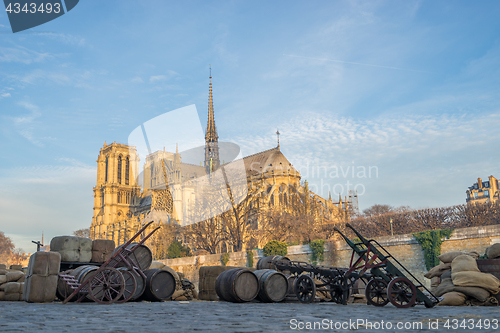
{"type": "Point", "coordinates": [107, 286]}
{"type": "Point", "coordinates": [402, 292]}
{"type": "Point", "coordinates": [130, 285]}
{"type": "Point", "coordinates": [376, 292]}
{"type": "Point", "coordinates": [305, 289]}
{"type": "Point", "coordinates": [337, 294]}
{"type": "Point", "coordinates": [340, 291]}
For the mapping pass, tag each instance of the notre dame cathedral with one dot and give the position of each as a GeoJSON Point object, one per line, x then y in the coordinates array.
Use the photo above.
{"type": "Point", "coordinates": [122, 204]}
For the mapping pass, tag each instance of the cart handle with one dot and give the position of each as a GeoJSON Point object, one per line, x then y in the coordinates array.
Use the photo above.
{"type": "Point", "coordinates": [364, 240]}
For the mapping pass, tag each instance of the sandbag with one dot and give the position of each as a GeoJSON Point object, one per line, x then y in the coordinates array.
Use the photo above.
{"type": "Point", "coordinates": [478, 293]}
{"type": "Point", "coordinates": [491, 301]}
{"type": "Point", "coordinates": [493, 251]}
{"type": "Point", "coordinates": [102, 249]}
{"type": "Point", "coordinates": [3, 266]}
{"type": "Point", "coordinates": [2, 295]}
{"type": "Point", "coordinates": [2, 286]}
{"type": "Point", "coordinates": [180, 298]}
{"type": "Point", "coordinates": [14, 276]}
{"type": "Point", "coordinates": [178, 293]}
{"type": "Point", "coordinates": [72, 249]}
{"type": "Point", "coordinates": [16, 267]}
{"type": "Point", "coordinates": [12, 297]}
{"type": "Point", "coordinates": [12, 288]}
{"type": "Point", "coordinates": [156, 265]}
{"type": "Point", "coordinates": [3, 279]}
{"type": "Point", "coordinates": [449, 256]}
{"type": "Point", "coordinates": [446, 275]}
{"type": "Point", "coordinates": [464, 263]}
{"type": "Point", "coordinates": [437, 270]}
{"type": "Point", "coordinates": [453, 298]}
{"type": "Point", "coordinates": [22, 279]}
{"type": "Point", "coordinates": [444, 287]}
{"type": "Point", "coordinates": [477, 279]}
{"type": "Point", "coordinates": [3, 271]}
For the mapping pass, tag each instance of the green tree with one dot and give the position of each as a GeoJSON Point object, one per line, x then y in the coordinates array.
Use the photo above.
{"type": "Point", "coordinates": [177, 250]}
{"type": "Point", "coordinates": [276, 248]}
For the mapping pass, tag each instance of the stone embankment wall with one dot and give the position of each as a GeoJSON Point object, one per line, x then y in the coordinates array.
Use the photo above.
{"type": "Point", "coordinates": [404, 248]}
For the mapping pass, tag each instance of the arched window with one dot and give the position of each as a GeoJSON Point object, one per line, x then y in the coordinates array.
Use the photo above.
{"type": "Point", "coordinates": [119, 169]}
{"type": "Point", "coordinates": [127, 167]}
{"type": "Point", "coordinates": [106, 171]}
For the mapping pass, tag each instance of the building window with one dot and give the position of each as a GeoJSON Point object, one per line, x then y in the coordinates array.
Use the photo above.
{"type": "Point", "coordinates": [119, 169]}
{"type": "Point", "coordinates": [127, 167]}
{"type": "Point", "coordinates": [486, 193]}
{"type": "Point", "coordinates": [106, 171]}
{"type": "Point", "coordinates": [475, 195]}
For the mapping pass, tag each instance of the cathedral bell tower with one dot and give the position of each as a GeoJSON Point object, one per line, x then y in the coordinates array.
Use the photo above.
{"type": "Point", "coordinates": [212, 161]}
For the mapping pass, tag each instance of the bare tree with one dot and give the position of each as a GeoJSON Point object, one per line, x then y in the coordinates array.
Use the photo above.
{"type": "Point", "coordinates": [6, 248]}
{"type": "Point", "coordinates": [82, 233]}
{"type": "Point", "coordinates": [378, 210]}
{"type": "Point", "coordinates": [8, 253]}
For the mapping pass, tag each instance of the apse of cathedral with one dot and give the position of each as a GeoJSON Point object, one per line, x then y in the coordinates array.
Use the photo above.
{"type": "Point", "coordinates": [167, 194]}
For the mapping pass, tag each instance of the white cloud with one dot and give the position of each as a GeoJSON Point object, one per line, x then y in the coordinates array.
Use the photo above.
{"type": "Point", "coordinates": [424, 160]}
{"type": "Point", "coordinates": [22, 54]}
{"type": "Point", "coordinates": [157, 78]}
{"type": "Point", "coordinates": [4, 95]}
{"type": "Point", "coordinates": [137, 80]}
{"type": "Point", "coordinates": [41, 75]}
{"type": "Point", "coordinates": [25, 124]}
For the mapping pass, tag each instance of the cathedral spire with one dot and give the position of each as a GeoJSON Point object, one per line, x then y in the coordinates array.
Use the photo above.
{"type": "Point", "coordinates": [211, 135]}
{"type": "Point", "coordinates": [211, 138]}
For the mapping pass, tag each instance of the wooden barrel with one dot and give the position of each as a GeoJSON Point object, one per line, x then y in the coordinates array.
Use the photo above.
{"type": "Point", "coordinates": [207, 277]}
{"type": "Point", "coordinates": [141, 285]}
{"type": "Point", "coordinates": [160, 285]}
{"type": "Point", "coordinates": [273, 285]}
{"type": "Point", "coordinates": [237, 285]}
{"type": "Point", "coordinates": [81, 274]}
{"type": "Point", "coordinates": [141, 256]}
{"type": "Point", "coordinates": [267, 262]}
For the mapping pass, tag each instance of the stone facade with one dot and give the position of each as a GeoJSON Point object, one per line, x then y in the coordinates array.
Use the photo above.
{"type": "Point", "coordinates": [483, 192]}
{"type": "Point", "coordinates": [171, 190]}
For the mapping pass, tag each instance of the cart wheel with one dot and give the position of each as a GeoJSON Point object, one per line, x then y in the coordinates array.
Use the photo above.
{"type": "Point", "coordinates": [402, 292]}
{"type": "Point", "coordinates": [106, 286]}
{"type": "Point", "coordinates": [130, 285]}
{"type": "Point", "coordinates": [376, 292]}
{"type": "Point", "coordinates": [305, 289]}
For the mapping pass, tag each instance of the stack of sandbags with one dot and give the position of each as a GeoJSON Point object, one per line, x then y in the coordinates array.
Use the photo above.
{"type": "Point", "coordinates": [465, 284]}
{"type": "Point", "coordinates": [493, 251]}
{"type": "Point", "coordinates": [11, 285]}
{"type": "Point", "coordinates": [72, 249]}
{"type": "Point", "coordinates": [41, 280]}
{"type": "Point", "coordinates": [102, 249]}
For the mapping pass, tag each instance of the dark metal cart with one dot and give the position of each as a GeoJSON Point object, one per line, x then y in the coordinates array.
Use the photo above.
{"type": "Point", "coordinates": [108, 284]}
{"type": "Point", "coordinates": [388, 279]}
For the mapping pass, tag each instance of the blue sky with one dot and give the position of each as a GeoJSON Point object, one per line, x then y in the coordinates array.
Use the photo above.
{"type": "Point", "coordinates": [408, 87]}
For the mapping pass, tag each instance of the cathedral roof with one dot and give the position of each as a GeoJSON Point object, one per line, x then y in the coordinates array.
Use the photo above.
{"type": "Point", "coordinates": [268, 161]}
{"type": "Point", "coordinates": [191, 171]}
